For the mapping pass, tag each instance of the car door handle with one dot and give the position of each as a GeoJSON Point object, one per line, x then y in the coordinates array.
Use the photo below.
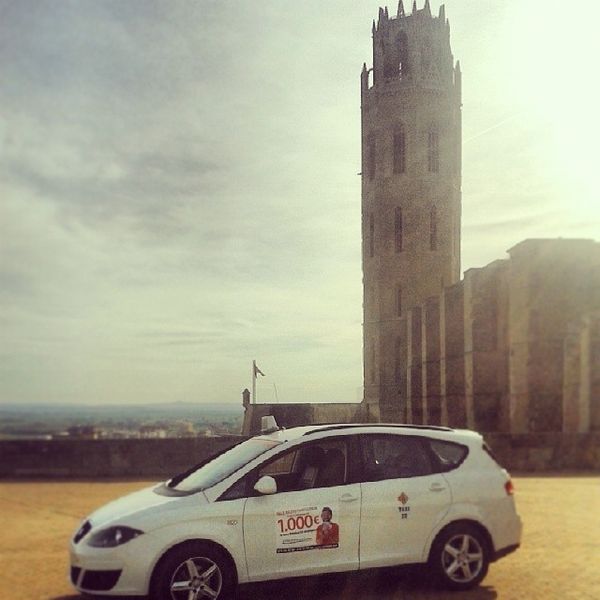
{"type": "Point", "coordinates": [348, 498]}
{"type": "Point", "coordinates": [437, 487]}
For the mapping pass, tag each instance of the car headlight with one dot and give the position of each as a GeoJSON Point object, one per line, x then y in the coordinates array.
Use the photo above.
{"type": "Point", "coordinates": [113, 536]}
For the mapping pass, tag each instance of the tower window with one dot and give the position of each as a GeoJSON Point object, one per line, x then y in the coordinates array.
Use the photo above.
{"type": "Point", "coordinates": [371, 158]}
{"type": "Point", "coordinates": [390, 62]}
{"type": "Point", "coordinates": [397, 364]}
{"type": "Point", "coordinates": [426, 55]}
{"type": "Point", "coordinates": [433, 153]}
{"type": "Point", "coordinates": [372, 362]}
{"type": "Point", "coordinates": [433, 238]}
{"type": "Point", "coordinates": [402, 48]}
{"type": "Point", "coordinates": [398, 230]}
{"type": "Point", "coordinates": [371, 235]}
{"type": "Point", "coordinates": [399, 152]}
{"type": "Point", "coordinates": [399, 301]}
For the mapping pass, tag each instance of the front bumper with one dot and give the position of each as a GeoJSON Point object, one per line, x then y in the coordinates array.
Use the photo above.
{"type": "Point", "coordinates": [94, 581]}
{"type": "Point", "coordinates": [120, 571]}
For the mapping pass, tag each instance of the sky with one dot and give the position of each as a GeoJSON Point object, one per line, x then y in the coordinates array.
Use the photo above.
{"type": "Point", "coordinates": [179, 190]}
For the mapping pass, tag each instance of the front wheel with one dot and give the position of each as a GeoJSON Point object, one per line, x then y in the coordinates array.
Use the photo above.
{"type": "Point", "coordinates": [460, 557]}
{"type": "Point", "coordinates": [194, 571]}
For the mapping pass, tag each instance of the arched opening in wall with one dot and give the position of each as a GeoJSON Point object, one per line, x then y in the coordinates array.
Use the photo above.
{"type": "Point", "coordinates": [402, 54]}
{"type": "Point", "coordinates": [433, 233]}
{"type": "Point", "coordinates": [426, 55]}
{"type": "Point", "coordinates": [433, 151]}
{"type": "Point", "coordinates": [399, 142]}
{"type": "Point", "coordinates": [371, 235]}
{"type": "Point", "coordinates": [390, 61]}
{"type": "Point", "coordinates": [398, 230]}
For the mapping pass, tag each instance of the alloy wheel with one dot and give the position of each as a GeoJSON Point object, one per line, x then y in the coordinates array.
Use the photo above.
{"type": "Point", "coordinates": [195, 579]}
{"type": "Point", "coordinates": [462, 558]}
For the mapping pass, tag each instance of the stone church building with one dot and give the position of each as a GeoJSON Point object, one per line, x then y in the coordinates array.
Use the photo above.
{"type": "Point", "coordinates": [512, 347]}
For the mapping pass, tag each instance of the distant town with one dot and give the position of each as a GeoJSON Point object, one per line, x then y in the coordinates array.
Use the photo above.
{"type": "Point", "coordinates": [169, 420]}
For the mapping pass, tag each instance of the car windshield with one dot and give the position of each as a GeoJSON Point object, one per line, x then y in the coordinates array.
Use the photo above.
{"type": "Point", "coordinates": [223, 465]}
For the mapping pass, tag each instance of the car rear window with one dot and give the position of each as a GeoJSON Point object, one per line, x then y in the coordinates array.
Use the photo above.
{"type": "Point", "coordinates": [448, 455]}
{"type": "Point", "coordinates": [393, 457]}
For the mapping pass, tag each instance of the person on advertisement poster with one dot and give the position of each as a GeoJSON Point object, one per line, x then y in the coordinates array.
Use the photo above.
{"type": "Point", "coordinates": [328, 533]}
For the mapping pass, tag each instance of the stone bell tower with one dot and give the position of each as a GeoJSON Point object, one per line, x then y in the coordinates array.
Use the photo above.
{"type": "Point", "coordinates": [411, 189]}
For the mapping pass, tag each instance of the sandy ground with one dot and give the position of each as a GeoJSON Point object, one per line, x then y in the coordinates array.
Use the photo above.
{"type": "Point", "coordinates": [559, 558]}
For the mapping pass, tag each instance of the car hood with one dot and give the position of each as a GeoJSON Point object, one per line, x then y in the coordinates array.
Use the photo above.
{"type": "Point", "coordinates": [124, 510]}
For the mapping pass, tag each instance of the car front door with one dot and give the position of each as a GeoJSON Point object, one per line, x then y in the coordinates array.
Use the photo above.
{"type": "Point", "coordinates": [402, 499]}
{"type": "Point", "coordinates": [311, 525]}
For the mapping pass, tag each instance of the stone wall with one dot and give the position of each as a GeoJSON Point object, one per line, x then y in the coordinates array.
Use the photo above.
{"type": "Point", "coordinates": [160, 458]}
{"type": "Point", "coordinates": [553, 287]}
{"type": "Point", "coordinates": [539, 452]}
{"type": "Point", "coordinates": [514, 347]}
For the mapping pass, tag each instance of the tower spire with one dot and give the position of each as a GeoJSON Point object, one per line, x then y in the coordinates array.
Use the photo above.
{"type": "Point", "coordinates": [427, 8]}
{"type": "Point", "coordinates": [442, 14]}
{"type": "Point", "coordinates": [414, 10]}
{"type": "Point", "coordinates": [401, 9]}
{"type": "Point", "coordinates": [364, 82]}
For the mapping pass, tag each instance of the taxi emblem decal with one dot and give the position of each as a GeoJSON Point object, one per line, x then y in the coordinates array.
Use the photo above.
{"type": "Point", "coordinates": [403, 498]}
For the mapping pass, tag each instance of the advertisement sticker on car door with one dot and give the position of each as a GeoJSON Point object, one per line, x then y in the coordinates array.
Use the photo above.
{"type": "Point", "coordinates": [307, 528]}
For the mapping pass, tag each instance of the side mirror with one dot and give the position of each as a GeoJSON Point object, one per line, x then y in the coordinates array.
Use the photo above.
{"type": "Point", "coordinates": [266, 485]}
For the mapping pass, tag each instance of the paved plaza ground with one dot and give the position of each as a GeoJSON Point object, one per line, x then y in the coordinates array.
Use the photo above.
{"type": "Point", "coordinates": [559, 558]}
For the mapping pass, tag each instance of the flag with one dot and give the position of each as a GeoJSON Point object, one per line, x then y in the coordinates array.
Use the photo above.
{"type": "Point", "coordinates": [257, 371]}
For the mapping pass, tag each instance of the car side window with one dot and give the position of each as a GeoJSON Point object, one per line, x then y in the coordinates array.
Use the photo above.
{"type": "Point", "coordinates": [311, 465]}
{"type": "Point", "coordinates": [447, 455]}
{"type": "Point", "coordinates": [393, 457]}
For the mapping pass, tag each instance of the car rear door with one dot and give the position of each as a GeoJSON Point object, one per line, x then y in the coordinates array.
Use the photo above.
{"type": "Point", "coordinates": [402, 499]}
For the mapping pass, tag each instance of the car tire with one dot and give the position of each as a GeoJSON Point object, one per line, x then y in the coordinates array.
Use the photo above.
{"type": "Point", "coordinates": [460, 557]}
{"type": "Point", "coordinates": [197, 567]}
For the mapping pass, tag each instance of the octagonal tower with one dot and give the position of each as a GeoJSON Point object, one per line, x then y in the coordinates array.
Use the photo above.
{"type": "Point", "coordinates": [411, 191]}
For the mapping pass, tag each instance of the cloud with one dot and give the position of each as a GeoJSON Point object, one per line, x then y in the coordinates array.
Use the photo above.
{"type": "Point", "coordinates": [180, 192]}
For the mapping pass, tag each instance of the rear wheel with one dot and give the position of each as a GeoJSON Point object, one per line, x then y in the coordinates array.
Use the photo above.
{"type": "Point", "coordinates": [460, 557]}
{"type": "Point", "coordinates": [194, 571]}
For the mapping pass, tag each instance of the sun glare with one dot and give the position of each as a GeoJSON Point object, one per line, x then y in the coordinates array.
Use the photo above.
{"type": "Point", "coordinates": [557, 81]}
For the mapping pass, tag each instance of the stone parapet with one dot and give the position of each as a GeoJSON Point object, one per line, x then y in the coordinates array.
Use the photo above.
{"type": "Point", "coordinates": [543, 452]}
{"type": "Point", "coordinates": [161, 459]}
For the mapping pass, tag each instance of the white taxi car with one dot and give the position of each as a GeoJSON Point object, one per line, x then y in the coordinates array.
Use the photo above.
{"type": "Point", "coordinates": [298, 502]}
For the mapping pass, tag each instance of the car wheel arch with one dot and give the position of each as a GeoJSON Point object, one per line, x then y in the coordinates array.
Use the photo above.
{"type": "Point", "coordinates": [189, 542]}
{"type": "Point", "coordinates": [468, 522]}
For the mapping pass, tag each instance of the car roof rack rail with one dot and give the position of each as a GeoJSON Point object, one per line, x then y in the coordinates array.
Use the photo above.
{"type": "Point", "coordinates": [333, 427]}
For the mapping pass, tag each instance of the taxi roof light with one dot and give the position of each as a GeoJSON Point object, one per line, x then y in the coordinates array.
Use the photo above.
{"type": "Point", "coordinates": [268, 424]}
